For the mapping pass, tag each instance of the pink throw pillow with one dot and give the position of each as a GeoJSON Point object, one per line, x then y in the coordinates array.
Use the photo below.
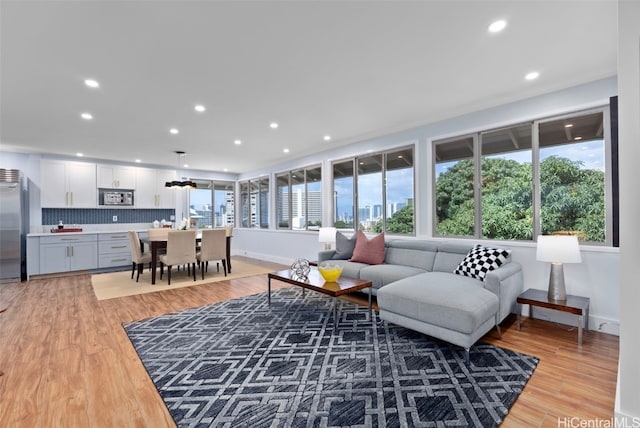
{"type": "Point", "coordinates": [369, 251]}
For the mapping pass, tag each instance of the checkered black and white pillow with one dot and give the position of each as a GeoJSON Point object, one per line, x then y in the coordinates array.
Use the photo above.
{"type": "Point", "coordinates": [481, 260]}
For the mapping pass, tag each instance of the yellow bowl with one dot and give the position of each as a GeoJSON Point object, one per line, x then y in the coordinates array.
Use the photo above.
{"type": "Point", "coordinates": [330, 273]}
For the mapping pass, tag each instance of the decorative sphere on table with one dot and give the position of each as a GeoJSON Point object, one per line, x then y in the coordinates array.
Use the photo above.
{"type": "Point", "coordinates": [300, 268]}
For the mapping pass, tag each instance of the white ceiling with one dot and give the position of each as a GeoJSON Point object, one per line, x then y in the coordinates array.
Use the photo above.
{"type": "Point", "coordinates": [353, 70]}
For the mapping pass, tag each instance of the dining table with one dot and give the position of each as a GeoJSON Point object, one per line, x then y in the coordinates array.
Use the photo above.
{"type": "Point", "coordinates": [159, 243]}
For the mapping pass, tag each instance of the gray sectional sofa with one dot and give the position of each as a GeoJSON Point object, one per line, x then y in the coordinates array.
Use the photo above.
{"type": "Point", "coordinates": [416, 288]}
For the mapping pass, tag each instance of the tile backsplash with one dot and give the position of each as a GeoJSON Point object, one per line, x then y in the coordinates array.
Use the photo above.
{"type": "Point", "coordinates": [103, 216]}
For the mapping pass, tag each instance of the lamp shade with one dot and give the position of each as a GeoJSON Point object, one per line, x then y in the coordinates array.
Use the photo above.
{"type": "Point", "coordinates": [558, 249]}
{"type": "Point", "coordinates": [327, 235]}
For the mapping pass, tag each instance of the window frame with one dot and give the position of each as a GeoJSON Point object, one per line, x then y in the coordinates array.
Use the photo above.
{"type": "Point", "coordinates": [535, 166]}
{"type": "Point", "coordinates": [212, 189]}
{"type": "Point", "coordinates": [262, 184]}
{"type": "Point", "coordinates": [289, 202]}
{"type": "Point", "coordinates": [384, 161]}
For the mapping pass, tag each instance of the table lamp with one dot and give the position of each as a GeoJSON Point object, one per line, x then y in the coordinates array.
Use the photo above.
{"type": "Point", "coordinates": [557, 250]}
{"type": "Point", "coordinates": [328, 236]}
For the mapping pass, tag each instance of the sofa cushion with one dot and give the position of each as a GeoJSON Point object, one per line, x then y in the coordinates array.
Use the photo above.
{"type": "Point", "coordinates": [415, 253]}
{"type": "Point", "coordinates": [349, 269]}
{"type": "Point", "coordinates": [384, 274]}
{"type": "Point", "coordinates": [481, 260]}
{"type": "Point", "coordinates": [369, 251]}
{"type": "Point", "coordinates": [449, 256]}
{"type": "Point", "coordinates": [344, 246]}
{"type": "Point", "coordinates": [449, 301]}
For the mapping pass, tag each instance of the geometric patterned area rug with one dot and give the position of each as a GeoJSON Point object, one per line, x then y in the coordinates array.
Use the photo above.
{"type": "Point", "coordinates": [243, 363]}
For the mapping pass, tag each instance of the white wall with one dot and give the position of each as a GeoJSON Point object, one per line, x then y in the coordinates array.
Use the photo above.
{"type": "Point", "coordinates": [628, 398]}
{"type": "Point", "coordinates": [596, 277]}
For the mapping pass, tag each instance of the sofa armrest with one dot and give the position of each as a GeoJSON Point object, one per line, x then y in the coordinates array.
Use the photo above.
{"type": "Point", "coordinates": [325, 255]}
{"type": "Point", "coordinates": [506, 282]}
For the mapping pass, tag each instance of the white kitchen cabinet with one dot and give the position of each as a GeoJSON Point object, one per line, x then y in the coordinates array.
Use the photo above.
{"type": "Point", "coordinates": [114, 250]}
{"type": "Point", "coordinates": [151, 191]}
{"type": "Point", "coordinates": [68, 253]}
{"type": "Point", "coordinates": [116, 177]}
{"type": "Point", "coordinates": [67, 184]}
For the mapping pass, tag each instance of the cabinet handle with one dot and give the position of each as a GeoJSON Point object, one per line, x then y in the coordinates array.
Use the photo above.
{"type": "Point", "coordinates": [66, 198]}
{"type": "Point", "coordinates": [71, 251]}
{"type": "Point", "coordinates": [71, 198]}
{"type": "Point", "coordinates": [69, 239]}
{"type": "Point", "coordinates": [118, 236]}
{"type": "Point", "coordinates": [119, 260]}
{"type": "Point", "coordinates": [119, 246]}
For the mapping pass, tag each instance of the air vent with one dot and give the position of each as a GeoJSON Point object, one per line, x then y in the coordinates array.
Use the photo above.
{"type": "Point", "coordinates": [9, 175]}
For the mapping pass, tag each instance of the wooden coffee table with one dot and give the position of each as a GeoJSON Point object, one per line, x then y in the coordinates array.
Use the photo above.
{"type": "Point", "coordinates": [314, 281]}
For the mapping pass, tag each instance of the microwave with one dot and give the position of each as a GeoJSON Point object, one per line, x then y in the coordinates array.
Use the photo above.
{"type": "Point", "coordinates": [116, 197]}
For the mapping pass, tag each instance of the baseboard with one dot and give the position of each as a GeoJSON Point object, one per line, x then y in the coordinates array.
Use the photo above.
{"type": "Point", "coordinates": [596, 323]}
{"type": "Point", "coordinates": [266, 257]}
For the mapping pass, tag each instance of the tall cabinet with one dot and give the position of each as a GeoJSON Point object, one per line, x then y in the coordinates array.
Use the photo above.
{"type": "Point", "coordinates": [150, 189]}
{"type": "Point", "coordinates": [67, 184]}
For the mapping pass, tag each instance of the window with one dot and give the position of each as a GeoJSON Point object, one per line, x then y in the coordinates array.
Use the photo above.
{"type": "Point", "coordinates": [399, 192]}
{"type": "Point", "coordinates": [572, 177]}
{"type": "Point", "coordinates": [299, 199]}
{"type": "Point", "coordinates": [369, 195]}
{"type": "Point", "coordinates": [542, 177]}
{"type": "Point", "coordinates": [212, 203]}
{"type": "Point", "coordinates": [379, 196]}
{"type": "Point", "coordinates": [454, 186]}
{"type": "Point", "coordinates": [507, 210]}
{"type": "Point", "coordinates": [343, 194]}
{"type": "Point", "coordinates": [254, 203]}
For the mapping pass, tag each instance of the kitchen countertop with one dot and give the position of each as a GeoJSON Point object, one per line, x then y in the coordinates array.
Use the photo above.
{"type": "Point", "coordinates": [94, 229]}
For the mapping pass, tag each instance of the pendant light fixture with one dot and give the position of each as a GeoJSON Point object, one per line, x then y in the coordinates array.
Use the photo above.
{"type": "Point", "coordinates": [178, 184]}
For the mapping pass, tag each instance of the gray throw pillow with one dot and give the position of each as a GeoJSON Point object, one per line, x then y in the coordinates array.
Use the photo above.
{"type": "Point", "coordinates": [344, 246]}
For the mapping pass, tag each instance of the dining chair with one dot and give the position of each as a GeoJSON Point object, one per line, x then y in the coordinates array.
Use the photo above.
{"type": "Point", "coordinates": [213, 248]}
{"type": "Point", "coordinates": [181, 249]}
{"type": "Point", "coordinates": [138, 258]}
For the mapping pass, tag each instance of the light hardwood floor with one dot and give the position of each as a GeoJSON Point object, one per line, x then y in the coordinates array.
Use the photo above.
{"type": "Point", "coordinates": [67, 361]}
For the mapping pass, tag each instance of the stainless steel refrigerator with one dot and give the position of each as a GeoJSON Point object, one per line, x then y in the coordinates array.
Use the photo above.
{"type": "Point", "coordinates": [12, 225]}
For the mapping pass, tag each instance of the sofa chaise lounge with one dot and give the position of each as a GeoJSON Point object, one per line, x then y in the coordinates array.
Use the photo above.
{"type": "Point", "coordinates": [416, 287]}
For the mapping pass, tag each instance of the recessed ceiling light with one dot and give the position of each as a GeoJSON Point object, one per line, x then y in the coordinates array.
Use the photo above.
{"type": "Point", "coordinates": [186, 165]}
{"type": "Point", "coordinates": [497, 26]}
{"type": "Point", "coordinates": [273, 125]}
{"type": "Point", "coordinates": [79, 154]}
{"type": "Point", "coordinates": [226, 169]}
{"type": "Point", "coordinates": [532, 76]}
{"type": "Point", "coordinates": [174, 131]}
{"type": "Point", "coordinates": [138, 161]}
{"type": "Point", "coordinates": [577, 138]}
{"type": "Point", "coordinates": [285, 150]}
{"type": "Point", "coordinates": [199, 108]}
{"type": "Point", "coordinates": [86, 116]}
{"type": "Point", "coordinates": [237, 142]}
{"type": "Point", "coordinates": [327, 137]}
{"type": "Point", "coordinates": [569, 125]}
{"type": "Point", "coordinates": [91, 83]}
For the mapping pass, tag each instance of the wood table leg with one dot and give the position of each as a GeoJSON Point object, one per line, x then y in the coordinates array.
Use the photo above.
{"type": "Point", "coordinates": [154, 260]}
